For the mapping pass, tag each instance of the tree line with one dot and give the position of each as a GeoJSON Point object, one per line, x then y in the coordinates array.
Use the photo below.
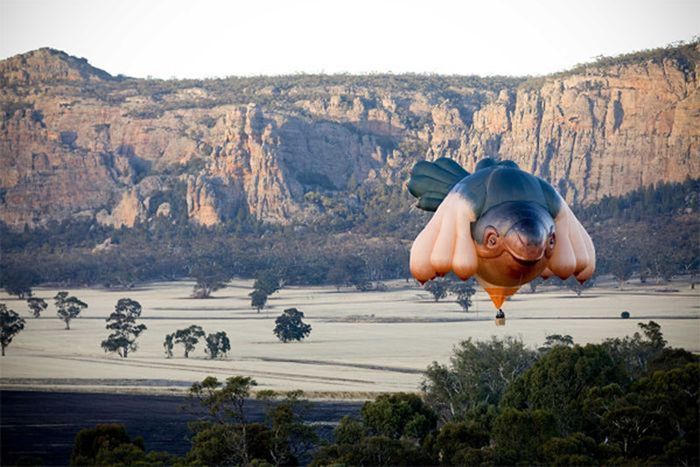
{"type": "Point", "coordinates": [651, 232]}
{"type": "Point", "coordinates": [625, 401]}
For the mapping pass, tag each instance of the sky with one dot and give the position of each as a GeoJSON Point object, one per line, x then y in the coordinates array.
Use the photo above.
{"type": "Point", "coordinates": [217, 38]}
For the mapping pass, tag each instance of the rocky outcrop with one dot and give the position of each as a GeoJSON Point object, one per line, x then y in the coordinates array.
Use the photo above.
{"type": "Point", "coordinates": [86, 144]}
{"type": "Point", "coordinates": [135, 204]}
{"type": "Point", "coordinates": [202, 204]}
{"type": "Point", "coordinates": [46, 65]}
{"type": "Point", "coordinates": [604, 133]}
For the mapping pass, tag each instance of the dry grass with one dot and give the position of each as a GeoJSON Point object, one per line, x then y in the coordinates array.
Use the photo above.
{"type": "Point", "coordinates": [361, 344]}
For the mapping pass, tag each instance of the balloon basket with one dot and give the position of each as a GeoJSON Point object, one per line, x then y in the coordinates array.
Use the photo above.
{"type": "Point", "coordinates": [500, 321]}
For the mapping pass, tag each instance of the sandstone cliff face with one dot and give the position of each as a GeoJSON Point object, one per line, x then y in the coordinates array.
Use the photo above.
{"type": "Point", "coordinates": [47, 64]}
{"type": "Point", "coordinates": [76, 142]}
{"type": "Point", "coordinates": [605, 133]}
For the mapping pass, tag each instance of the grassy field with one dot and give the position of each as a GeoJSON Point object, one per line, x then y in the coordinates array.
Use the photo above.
{"type": "Point", "coordinates": [361, 343]}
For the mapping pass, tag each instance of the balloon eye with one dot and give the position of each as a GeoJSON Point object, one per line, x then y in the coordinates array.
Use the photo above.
{"type": "Point", "coordinates": [492, 240]}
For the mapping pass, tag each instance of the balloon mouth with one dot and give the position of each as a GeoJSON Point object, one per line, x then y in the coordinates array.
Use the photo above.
{"type": "Point", "coordinates": [528, 263]}
{"type": "Point", "coordinates": [526, 242]}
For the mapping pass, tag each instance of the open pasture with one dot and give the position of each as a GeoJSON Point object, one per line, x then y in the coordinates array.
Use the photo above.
{"type": "Point", "coordinates": [361, 342]}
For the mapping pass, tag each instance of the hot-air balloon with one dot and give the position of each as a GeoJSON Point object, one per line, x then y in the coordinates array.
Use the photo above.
{"type": "Point", "coordinates": [500, 224]}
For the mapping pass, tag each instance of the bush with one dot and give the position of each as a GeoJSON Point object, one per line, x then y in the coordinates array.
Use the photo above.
{"type": "Point", "coordinates": [625, 315]}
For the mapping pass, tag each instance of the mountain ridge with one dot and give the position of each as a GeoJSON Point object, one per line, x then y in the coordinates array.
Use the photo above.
{"type": "Point", "coordinates": [88, 144]}
{"type": "Point", "coordinates": [49, 64]}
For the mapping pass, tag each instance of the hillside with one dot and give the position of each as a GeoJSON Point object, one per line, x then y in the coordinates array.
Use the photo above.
{"type": "Point", "coordinates": [79, 143]}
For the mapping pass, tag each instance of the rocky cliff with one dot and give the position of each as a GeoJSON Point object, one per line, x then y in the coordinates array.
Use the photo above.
{"type": "Point", "coordinates": [77, 142]}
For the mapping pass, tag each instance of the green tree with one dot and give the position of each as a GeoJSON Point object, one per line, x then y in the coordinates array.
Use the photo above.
{"type": "Point", "coordinates": [68, 307]}
{"type": "Point", "coordinates": [189, 337]}
{"type": "Point", "coordinates": [397, 416]}
{"type": "Point", "coordinates": [36, 305]}
{"type": "Point", "coordinates": [621, 263]}
{"type": "Point", "coordinates": [656, 418]}
{"type": "Point", "coordinates": [389, 433]}
{"type": "Point", "coordinates": [110, 444]}
{"type": "Point", "coordinates": [349, 431]}
{"type": "Point", "coordinates": [169, 344]}
{"type": "Point", "coordinates": [577, 287]}
{"type": "Point", "coordinates": [534, 283]}
{"type": "Point", "coordinates": [11, 324]}
{"type": "Point", "coordinates": [210, 275]}
{"type": "Point", "coordinates": [635, 353]}
{"type": "Point", "coordinates": [478, 374]}
{"type": "Point", "coordinates": [258, 299]}
{"type": "Point", "coordinates": [372, 450]}
{"type": "Point", "coordinates": [464, 292]}
{"type": "Point", "coordinates": [349, 270]}
{"type": "Point", "coordinates": [338, 276]}
{"type": "Point", "coordinates": [456, 441]}
{"type": "Point", "coordinates": [575, 449]}
{"type": "Point", "coordinates": [291, 438]}
{"type": "Point", "coordinates": [554, 340]}
{"type": "Point", "coordinates": [125, 331]}
{"type": "Point", "coordinates": [19, 282]}
{"type": "Point", "coordinates": [519, 436]}
{"type": "Point", "coordinates": [223, 435]}
{"type": "Point", "coordinates": [268, 282]}
{"type": "Point", "coordinates": [218, 345]}
{"type": "Point", "coordinates": [222, 401]}
{"type": "Point", "coordinates": [290, 327]}
{"type": "Point", "coordinates": [59, 298]}
{"type": "Point", "coordinates": [438, 287]}
{"type": "Point", "coordinates": [229, 444]}
{"type": "Point", "coordinates": [673, 395]}
{"type": "Point", "coordinates": [557, 383]}
{"type": "Point", "coordinates": [89, 441]}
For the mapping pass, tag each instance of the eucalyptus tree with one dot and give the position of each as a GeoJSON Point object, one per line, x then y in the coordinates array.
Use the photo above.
{"type": "Point", "coordinates": [10, 325]}
{"type": "Point", "coordinates": [68, 307]}
{"type": "Point", "coordinates": [125, 331]}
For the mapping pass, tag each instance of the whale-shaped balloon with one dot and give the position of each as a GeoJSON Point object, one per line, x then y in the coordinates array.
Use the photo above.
{"type": "Point", "coordinates": [500, 224]}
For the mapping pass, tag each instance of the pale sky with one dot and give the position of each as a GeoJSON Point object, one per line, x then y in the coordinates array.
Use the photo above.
{"type": "Point", "coordinates": [210, 38]}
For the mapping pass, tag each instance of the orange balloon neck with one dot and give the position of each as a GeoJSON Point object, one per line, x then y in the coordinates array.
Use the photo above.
{"type": "Point", "coordinates": [499, 294]}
